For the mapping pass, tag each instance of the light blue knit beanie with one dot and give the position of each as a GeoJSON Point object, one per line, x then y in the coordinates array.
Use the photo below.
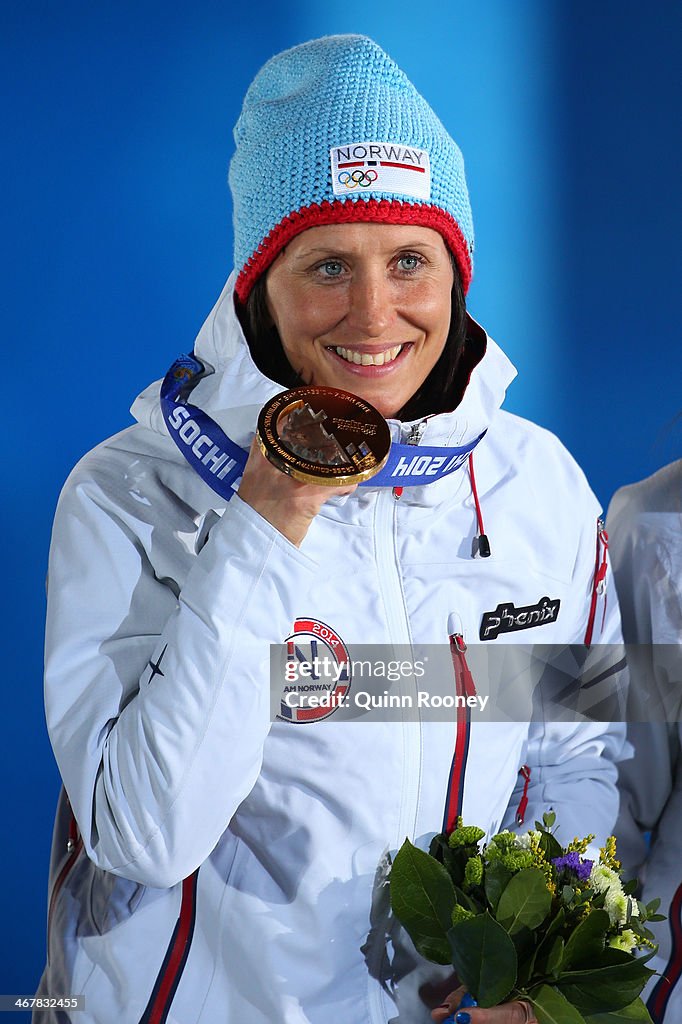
{"type": "Point", "coordinates": [333, 131]}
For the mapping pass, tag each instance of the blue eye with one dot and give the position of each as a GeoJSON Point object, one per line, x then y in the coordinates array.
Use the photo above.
{"type": "Point", "coordinates": [331, 268]}
{"type": "Point", "coordinates": [409, 263]}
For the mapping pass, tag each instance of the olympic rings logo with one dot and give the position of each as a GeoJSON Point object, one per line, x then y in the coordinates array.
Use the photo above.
{"type": "Point", "coordinates": [358, 179]}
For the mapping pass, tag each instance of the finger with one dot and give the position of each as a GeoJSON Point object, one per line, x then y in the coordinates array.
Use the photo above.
{"type": "Point", "coordinates": [507, 1013]}
{"type": "Point", "coordinates": [449, 1005]}
{"type": "Point", "coordinates": [343, 490]}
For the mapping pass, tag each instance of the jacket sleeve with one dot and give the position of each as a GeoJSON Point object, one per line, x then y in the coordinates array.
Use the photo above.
{"type": "Point", "coordinates": [574, 763]}
{"type": "Point", "coordinates": [647, 544]}
{"type": "Point", "coordinates": [158, 702]}
{"type": "Point", "coordinates": [648, 587]}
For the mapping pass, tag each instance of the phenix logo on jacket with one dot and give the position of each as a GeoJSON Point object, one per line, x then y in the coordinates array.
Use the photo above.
{"type": "Point", "coordinates": [195, 814]}
{"type": "Point", "coordinates": [508, 619]}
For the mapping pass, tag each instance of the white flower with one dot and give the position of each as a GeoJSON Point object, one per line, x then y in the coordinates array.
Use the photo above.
{"type": "Point", "coordinates": [616, 903]}
{"type": "Point", "coordinates": [616, 906]}
{"type": "Point", "coordinates": [523, 841]}
{"type": "Point", "coordinates": [625, 941]}
{"type": "Point", "coordinates": [602, 879]}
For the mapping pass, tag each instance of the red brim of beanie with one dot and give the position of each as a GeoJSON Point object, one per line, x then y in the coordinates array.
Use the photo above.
{"type": "Point", "coordinates": [381, 211]}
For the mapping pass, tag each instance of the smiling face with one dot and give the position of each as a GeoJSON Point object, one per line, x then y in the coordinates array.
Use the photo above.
{"type": "Point", "coordinates": [363, 307]}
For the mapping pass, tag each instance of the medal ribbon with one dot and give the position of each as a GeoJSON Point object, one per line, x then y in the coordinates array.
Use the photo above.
{"type": "Point", "coordinates": [220, 462]}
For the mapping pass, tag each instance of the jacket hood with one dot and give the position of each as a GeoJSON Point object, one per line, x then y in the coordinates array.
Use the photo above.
{"type": "Point", "coordinates": [234, 389]}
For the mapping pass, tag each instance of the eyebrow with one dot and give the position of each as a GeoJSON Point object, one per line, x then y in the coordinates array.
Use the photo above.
{"type": "Point", "coordinates": [332, 250]}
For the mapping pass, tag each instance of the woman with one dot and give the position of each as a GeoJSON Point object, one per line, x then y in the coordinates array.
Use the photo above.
{"type": "Point", "coordinates": [645, 523]}
{"type": "Point", "coordinates": [209, 864]}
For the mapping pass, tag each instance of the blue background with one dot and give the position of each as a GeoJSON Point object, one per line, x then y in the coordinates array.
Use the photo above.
{"type": "Point", "coordinates": [117, 137]}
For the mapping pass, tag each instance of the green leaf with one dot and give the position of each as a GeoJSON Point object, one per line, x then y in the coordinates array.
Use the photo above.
{"type": "Point", "coordinates": [552, 1008]}
{"type": "Point", "coordinates": [468, 902]}
{"type": "Point", "coordinates": [556, 957]}
{"type": "Point", "coordinates": [496, 880]}
{"type": "Point", "coordinates": [653, 905]}
{"type": "Point", "coordinates": [615, 981]}
{"type": "Point", "coordinates": [588, 940]}
{"type": "Point", "coordinates": [453, 860]}
{"type": "Point", "coordinates": [525, 902]}
{"type": "Point", "coordinates": [422, 897]}
{"type": "Point", "coordinates": [524, 942]}
{"type": "Point", "coordinates": [550, 846]}
{"type": "Point", "coordinates": [636, 1011]}
{"type": "Point", "coordinates": [556, 923]}
{"type": "Point", "coordinates": [438, 844]}
{"type": "Point", "coordinates": [537, 964]}
{"type": "Point", "coordinates": [567, 893]}
{"type": "Point", "coordinates": [484, 957]}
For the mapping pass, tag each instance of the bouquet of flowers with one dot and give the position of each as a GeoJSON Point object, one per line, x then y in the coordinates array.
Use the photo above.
{"type": "Point", "coordinates": [521, 917]}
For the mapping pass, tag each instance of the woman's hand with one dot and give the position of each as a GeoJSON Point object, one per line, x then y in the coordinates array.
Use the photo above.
{"type": "Point", "coordinates": [507, 1013]}
{"type": "Point", "coordinates": [287, 504]}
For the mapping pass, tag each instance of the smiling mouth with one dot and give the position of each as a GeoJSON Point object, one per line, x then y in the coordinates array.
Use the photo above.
{"type": "Point", "coordinates": [369, 358]}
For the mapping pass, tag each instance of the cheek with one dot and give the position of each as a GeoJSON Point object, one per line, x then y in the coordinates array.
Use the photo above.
{"type": "Point", "coordinates": [307, 316]}
{"type": "Point", "coordinates": [436, 314]}
{"type": "Point", "coordinates": [432, 299]}
{"type": "Point", "coordinates": [322, 310]}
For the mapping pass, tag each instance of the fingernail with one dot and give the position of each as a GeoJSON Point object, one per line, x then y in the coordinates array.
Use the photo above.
{"type": "Point", "coordinates": [467, 1000]}
{"type": "Point", "coordinates": [463, 1017]}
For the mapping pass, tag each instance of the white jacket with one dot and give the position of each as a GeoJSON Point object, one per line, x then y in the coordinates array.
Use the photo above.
{"type": "Point", "coordinates": [645, 527]}
{"type": "Point", "coordinates": [227, 869]}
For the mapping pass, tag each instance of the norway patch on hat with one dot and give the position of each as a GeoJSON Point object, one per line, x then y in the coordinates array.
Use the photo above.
{"type": "Point", "coordinates": [380, 167]}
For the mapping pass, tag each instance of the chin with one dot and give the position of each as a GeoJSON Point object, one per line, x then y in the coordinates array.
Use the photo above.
{"type": "Point", "coordinates": [389, 407]}
{"type": "Point", "coordinates": [389, 412]}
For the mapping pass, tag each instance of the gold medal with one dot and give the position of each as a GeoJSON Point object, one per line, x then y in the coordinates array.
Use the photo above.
{"type": "Point", "coordinates": [322, 435]}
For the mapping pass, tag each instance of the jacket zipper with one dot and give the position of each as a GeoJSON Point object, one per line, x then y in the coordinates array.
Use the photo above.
{"type": "Point", "coordinates": [464, 687]}
{"type": "Point", "coordinates": [173, 965]}
{"type": "Point", "coordinates": [74, 845]}
{"type": "Point", "coordinates": [399, 633]}
{"type": "Point", "coordinates": [599, 579]}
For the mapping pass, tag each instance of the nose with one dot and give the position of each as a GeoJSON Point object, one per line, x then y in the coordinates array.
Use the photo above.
{"type": "Point", "coordinates": [371, 303]}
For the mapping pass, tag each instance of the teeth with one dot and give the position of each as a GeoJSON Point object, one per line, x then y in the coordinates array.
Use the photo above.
{"type": "Point", "coordinates": [366, 358]}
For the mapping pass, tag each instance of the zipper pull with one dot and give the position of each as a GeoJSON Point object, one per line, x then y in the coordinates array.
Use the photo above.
{"type": "Point", "coordinates": [464, 687]}
{"type": "Point", "coordinates": [481, 543]}
{"type": "Point", "coordinates": [603, 542]}
{"type": "Point", "coordinates": [524, 772]}
{"type": "Point", "coordinates": [599, 581]}
{"type": "Point", "coordinates": [458, 648]}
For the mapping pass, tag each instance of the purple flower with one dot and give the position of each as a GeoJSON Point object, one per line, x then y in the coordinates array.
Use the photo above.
{"type": "Point", "coordinates": [584, 870]}
{"type": "Point", "coordinates": [572, 862]}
